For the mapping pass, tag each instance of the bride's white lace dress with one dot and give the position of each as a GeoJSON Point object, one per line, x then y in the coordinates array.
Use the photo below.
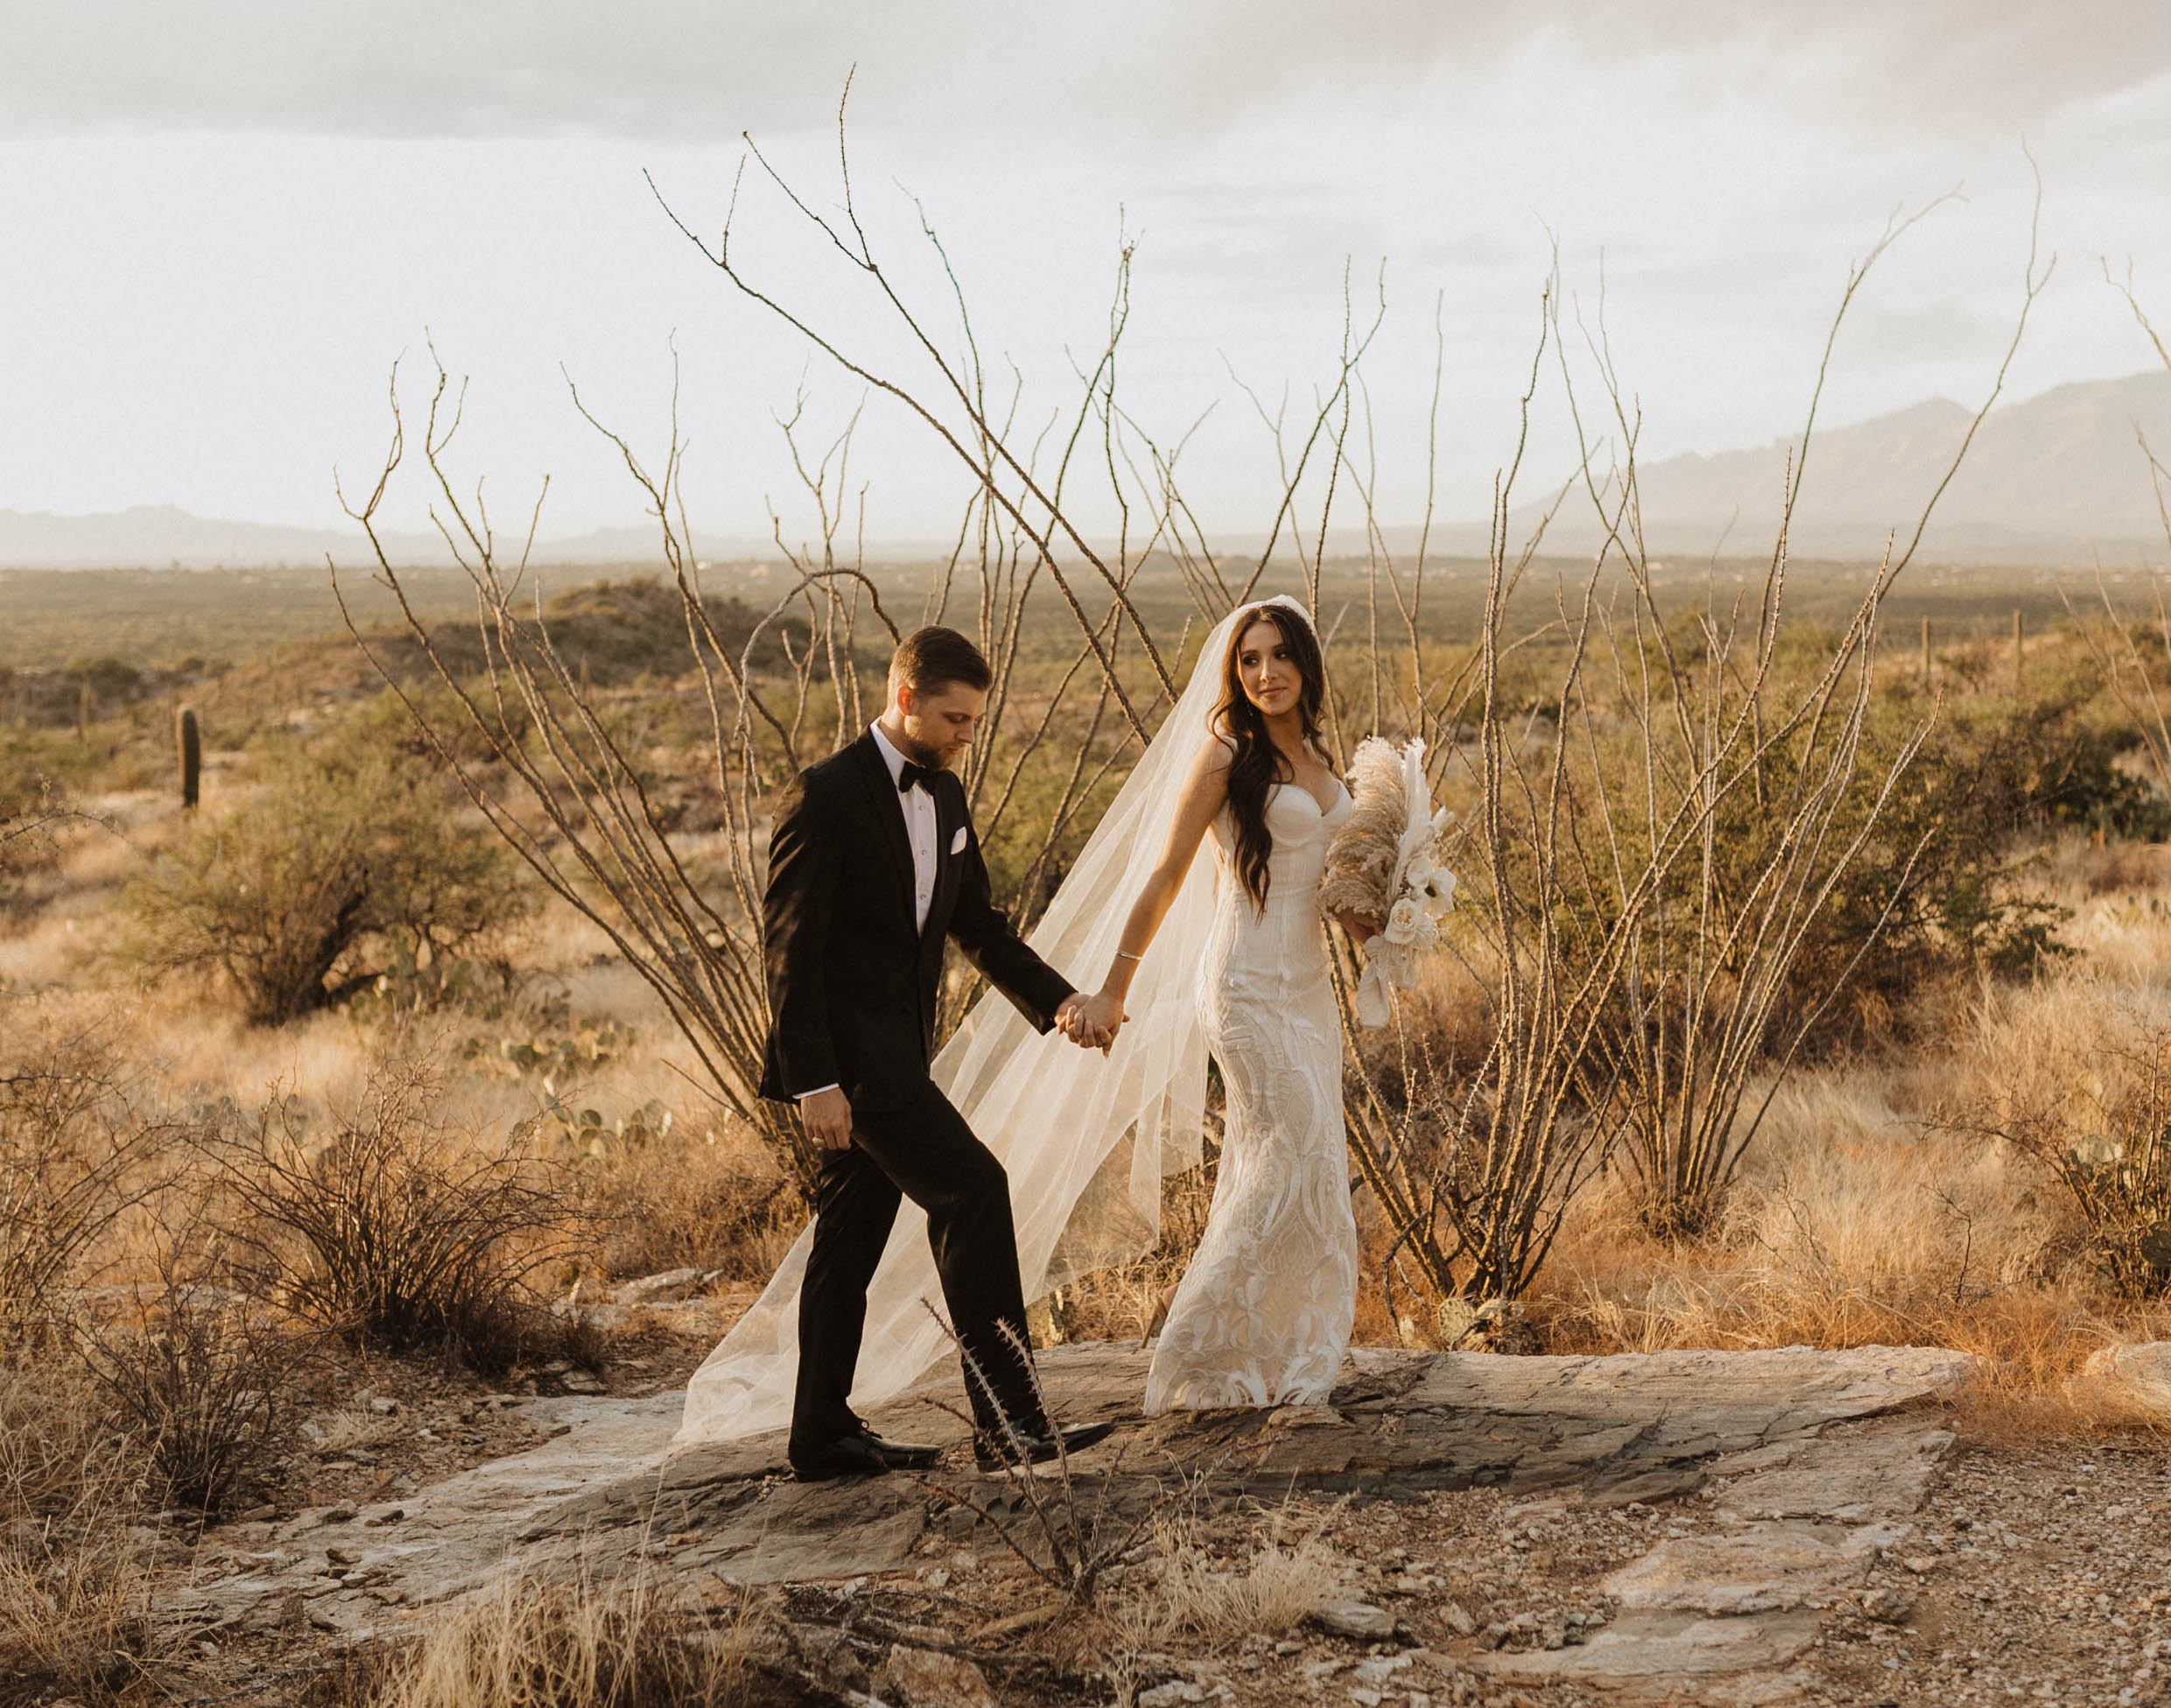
{"type": "Point", "coordinates": [1264, 1312]}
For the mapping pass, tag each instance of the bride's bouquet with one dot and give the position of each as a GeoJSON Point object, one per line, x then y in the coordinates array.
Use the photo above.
{"type": "Point", "coordinates": [1384, 863]}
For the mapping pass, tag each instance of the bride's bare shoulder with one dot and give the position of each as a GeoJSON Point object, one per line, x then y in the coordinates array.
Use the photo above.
{"type": "Point", "coordinates": [1213, 756]}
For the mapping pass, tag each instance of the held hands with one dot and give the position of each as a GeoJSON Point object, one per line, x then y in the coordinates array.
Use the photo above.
{"type": "Point", "coordinates": [1091, 1021]}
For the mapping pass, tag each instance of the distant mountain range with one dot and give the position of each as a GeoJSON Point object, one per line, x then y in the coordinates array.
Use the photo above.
{"type": "Point", "coordinates": [2057, 478]}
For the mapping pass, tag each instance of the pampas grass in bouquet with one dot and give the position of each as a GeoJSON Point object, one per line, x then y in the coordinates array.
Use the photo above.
{"type": "Point", "coordinates": [1384, 863]}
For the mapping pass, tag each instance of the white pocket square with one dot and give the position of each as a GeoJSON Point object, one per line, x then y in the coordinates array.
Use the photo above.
{"type": "Point", "coordinates": [957, 842]}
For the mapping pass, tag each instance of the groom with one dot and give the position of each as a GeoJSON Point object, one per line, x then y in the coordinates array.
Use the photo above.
{"type": "Point", "coordinates": [873, 864]}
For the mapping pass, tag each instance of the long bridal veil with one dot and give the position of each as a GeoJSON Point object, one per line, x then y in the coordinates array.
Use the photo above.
{"type": "Point", "coordinates": [1085, 1139]}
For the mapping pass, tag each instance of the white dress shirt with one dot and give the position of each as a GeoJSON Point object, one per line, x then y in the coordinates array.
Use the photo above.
{"type": "Point", "coordinates": [919, 831]}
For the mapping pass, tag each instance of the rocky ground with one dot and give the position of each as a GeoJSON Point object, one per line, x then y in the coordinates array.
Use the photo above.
{"type": "Point", "coordinates": [2042, 1572]}
{"type": "Point", "coordinates": [1732, 1527]}
{"type": "Point", "coordinates": [1468, 1529]}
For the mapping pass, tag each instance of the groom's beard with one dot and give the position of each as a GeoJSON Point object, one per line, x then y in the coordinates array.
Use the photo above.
{"type": "Point", "coordinates": [935, 759]}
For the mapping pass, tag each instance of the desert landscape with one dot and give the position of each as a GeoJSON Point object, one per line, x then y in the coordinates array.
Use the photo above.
{"type": "Point", "coordinates": [1763, 1184]}
{"type": "Point", "coordinates": [377, 1180]}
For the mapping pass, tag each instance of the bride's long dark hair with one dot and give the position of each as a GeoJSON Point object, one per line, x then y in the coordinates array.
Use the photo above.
{"type": "Point", "coordinates": [1257, 765]}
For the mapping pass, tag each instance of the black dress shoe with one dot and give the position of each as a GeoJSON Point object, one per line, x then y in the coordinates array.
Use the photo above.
{"type": "Point", "coordinates": [901, 1455]}
{"type": "Point", "coordinates": [1014, 1447]}
{"type": "Point", "coordinates": [863, 1454]}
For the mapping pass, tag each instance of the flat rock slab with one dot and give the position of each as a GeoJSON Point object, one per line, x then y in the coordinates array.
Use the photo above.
{"type": "Point", "coordinates": [1763, 1568]}
{"type": "Point", "coordinates": [1605, 1431]}
{"type": "Point", "coordinates": [1869, 1475]}
{"type": "Point", "coordinates": [448, 1537]}
{"type": "Point", "coordinates": [1410, 1420]}
{"type": "Point", "coordinates": [2135, 1379]}
{"type": "Point", "coordinates": [1669, 1654]}
{"type": "Point", "coordinates": [1720, 1618]}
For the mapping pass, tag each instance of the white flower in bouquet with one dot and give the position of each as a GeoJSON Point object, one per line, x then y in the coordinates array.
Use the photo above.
{"type": "Point", "coordinates": [1433, 889]}
{"type": "Point", "coordinates": [1404, 920]}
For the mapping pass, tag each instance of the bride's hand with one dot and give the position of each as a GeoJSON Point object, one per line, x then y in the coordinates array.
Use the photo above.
{"type": "Point", "coordinates": [1094, 1021]}
{"type": "Point", "coordinates": [1070, 1020]}
{"type": "Point", "coordinates": [1358, 925]}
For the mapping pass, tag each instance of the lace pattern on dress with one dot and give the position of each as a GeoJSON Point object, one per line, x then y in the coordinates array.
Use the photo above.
{"type": "Point", "coordinates": [1264, 1312]}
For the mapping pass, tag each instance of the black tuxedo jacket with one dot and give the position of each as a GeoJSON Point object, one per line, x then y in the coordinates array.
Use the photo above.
{"type": "Point", "coordinates": [852, 983]}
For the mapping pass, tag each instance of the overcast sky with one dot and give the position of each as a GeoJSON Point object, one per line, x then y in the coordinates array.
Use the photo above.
{"type": "Point", "coordinates": [220, 224]}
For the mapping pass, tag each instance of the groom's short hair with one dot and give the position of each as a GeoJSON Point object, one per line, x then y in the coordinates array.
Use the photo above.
{"type": "Point", "coordinates": [927, 660]}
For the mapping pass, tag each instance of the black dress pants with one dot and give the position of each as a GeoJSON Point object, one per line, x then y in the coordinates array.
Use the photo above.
{"type": "Point", "coordinates": [925, 1152]}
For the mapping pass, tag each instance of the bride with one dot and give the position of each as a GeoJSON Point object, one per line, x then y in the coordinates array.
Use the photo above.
{"type": "Point", "coordinates": [1262, 1315]}
{"type": "Point", "coordinates": [1226, 955]}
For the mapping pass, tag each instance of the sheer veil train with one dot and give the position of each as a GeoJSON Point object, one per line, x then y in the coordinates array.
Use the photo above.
{"type": "Point", "coordinates": [1085, 1139]}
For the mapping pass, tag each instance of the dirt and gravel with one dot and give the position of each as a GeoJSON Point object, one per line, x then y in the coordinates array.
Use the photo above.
{"type": "Point", "coordinates": [1516, 1533]}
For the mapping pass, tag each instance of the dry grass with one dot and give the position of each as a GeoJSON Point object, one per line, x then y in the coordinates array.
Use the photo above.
{"type": "Point", "coordinates": [714, 1199]}
{"type": "Point", "coordinates": [1279, 1576]}
{"type": "Point", "coordinates": [57, 1451]}
{"type": "Point", "coordinates": [623, 1643]}
{"type": "Point", "coordinates": [77, 1147]}
{"type": "Point", "coordinates": [1859, 1224]}
{"type": "Point", "coordinates": [75, 1576]}
{"type": "Point", "coordinates": [342, 1431]}
{"type": "Point", "coordinates": [2075, 1078]}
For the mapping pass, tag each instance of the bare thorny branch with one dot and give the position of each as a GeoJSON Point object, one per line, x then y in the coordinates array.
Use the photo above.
{"type": "Point", "coordinates": [1625, 987]}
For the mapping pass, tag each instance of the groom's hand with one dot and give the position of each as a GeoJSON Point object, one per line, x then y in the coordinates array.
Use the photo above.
{"type": "Point", "coordinates": [1091, 1021]}
{"type": "Point", "coordinates": [1071, 1021]}
{"type": "Point", "coordinates": [827, 1117]}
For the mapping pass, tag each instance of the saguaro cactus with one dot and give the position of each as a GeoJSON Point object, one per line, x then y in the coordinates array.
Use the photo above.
{"type": "Point", "coordinates": [190, 741]}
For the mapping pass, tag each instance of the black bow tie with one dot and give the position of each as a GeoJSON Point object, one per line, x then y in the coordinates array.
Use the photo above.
{"type": "Point", "coordinates": [923, 776]}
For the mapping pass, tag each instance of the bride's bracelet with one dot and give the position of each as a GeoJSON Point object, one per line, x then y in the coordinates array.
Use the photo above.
{"type": "Point", "coordinates": [1124, 954]}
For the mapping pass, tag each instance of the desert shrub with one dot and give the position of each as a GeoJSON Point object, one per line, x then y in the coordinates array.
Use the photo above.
{"type": "Point", "coordinates": [35, 809]}
{"type": "Point", "coordinates": [1948, 857]}
{"type": "Point", "coordinates": [349, 861]}
{"type": "Point", "coordinates": [1947, 882]}
{"type": "Point", "coordinates": [391, 1228]}
{"type": "Point", "coordinates": [74, 1150]}
{"type": "Point", "coordinates": [26, 813]}
{"type": "Point", "coordinates": [609, 633]}
{"type": "Point", "coordinates": [113, 681]}
{"type": "Point", "coordinates": [197, 1375]}
{"type": "Point", "coordinates": [2088, 1100]}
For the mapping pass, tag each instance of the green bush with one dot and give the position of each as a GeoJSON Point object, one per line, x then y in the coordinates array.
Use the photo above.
{"type": "Point", "coordinates": [1996, 768]}
{"type": "Point", "coordinates": [345, 866]}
